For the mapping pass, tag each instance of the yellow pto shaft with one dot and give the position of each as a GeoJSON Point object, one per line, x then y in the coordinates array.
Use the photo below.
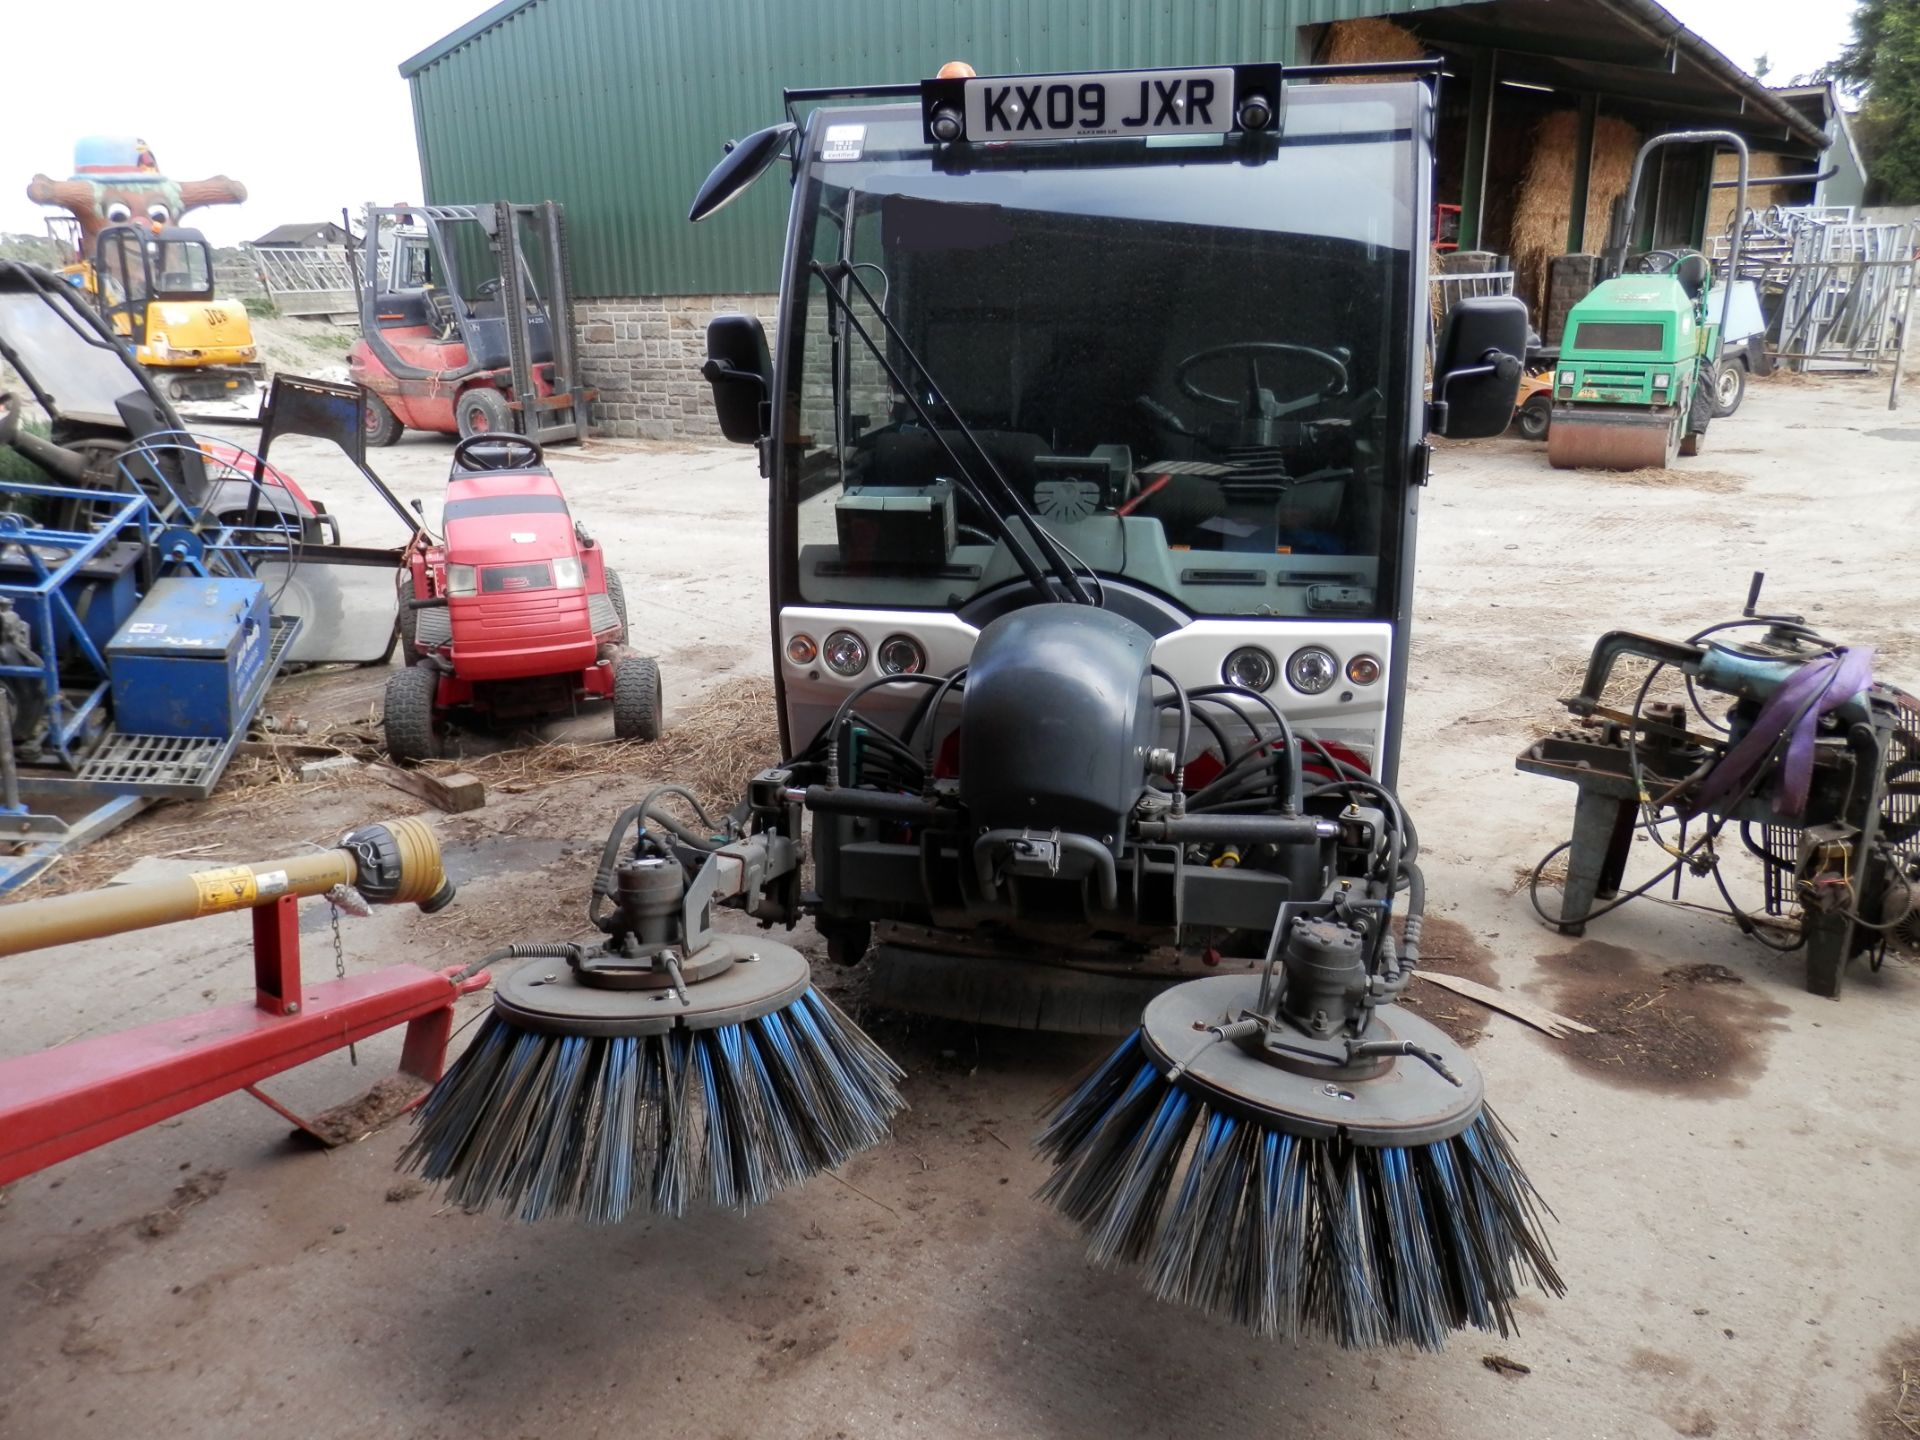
{"type": "Point", "coordinates": [391, 864]}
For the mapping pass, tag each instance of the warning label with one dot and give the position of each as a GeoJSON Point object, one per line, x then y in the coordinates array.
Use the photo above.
{"type": "Point", "coordinates": [230, 888]}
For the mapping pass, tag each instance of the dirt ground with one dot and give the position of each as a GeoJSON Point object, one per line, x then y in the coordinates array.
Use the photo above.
{"type": "Point", "coordinates": [1733, 1162]}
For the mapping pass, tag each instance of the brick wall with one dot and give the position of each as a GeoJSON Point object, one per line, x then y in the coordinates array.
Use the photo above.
{"type": "Point", "coordinates": [644, 356]}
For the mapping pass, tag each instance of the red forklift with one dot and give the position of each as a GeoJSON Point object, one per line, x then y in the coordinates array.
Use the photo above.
{"type": "Point", "coordinates": [466, 323]}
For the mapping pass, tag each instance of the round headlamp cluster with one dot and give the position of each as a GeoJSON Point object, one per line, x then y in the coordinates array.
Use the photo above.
{"type": "Point", "coordinates": [1312, 670]}
{"type": "Point", "coordinates": [1249, 667]}
{"type": "Point", "coordinates": [845, 653]}
{"type": "Point", "coordinates": [901, 655]}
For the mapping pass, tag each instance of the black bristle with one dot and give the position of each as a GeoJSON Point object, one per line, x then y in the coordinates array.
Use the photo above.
{"type": "Point", "coordinates": [1292, 1235]}
{"type": "Point", "coordinates": [600, 1127]}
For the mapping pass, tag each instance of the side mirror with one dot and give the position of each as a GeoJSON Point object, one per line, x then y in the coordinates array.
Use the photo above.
{"type": "Point", "coordinates": [741, 374]}
{"type": "Point", "coordinates": [745, 161]}
{"type": "Point", "coordinates": [1477, 366]}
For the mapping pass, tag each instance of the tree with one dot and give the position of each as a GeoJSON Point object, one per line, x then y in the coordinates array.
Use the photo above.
{"type": "Point", "coordinates": [1882, 65]}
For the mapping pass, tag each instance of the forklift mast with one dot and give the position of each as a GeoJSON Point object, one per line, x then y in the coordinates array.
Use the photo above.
{"type": "Point", "coordinates": [532, 280]}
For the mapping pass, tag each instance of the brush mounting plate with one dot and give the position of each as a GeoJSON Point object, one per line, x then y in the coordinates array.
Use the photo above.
{"type": "Point", "coordinates": [1403, 1103]}
{"type": "Point", "coordinates": [607, 968]}
{"type": "Point", "coordinates": [759, 977]}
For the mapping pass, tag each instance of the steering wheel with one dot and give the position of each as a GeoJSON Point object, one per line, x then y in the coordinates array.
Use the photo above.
{"type": "Point", "coordinates": [1656, 262]}
{"type": "Point", "coordinates": [1257, 401]}
{"type": "Point", "coordinates": [487, 289]}
{"type": "Point", "coordinates": [498, 450]}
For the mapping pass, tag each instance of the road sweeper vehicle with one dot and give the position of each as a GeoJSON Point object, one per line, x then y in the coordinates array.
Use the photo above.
{"type": "Point", "coordinates": [1095, 436]}
{"type": "Point", "coordinates": [1640, 376]}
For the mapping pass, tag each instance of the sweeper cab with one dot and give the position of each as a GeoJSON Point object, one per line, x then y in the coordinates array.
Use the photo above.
{"type": "Point", "coordinates": [512, 613]}
{"type": "Point", "coordinates": [1642, 373]}
{"type": "Point", "coordinates": [1131, 360]}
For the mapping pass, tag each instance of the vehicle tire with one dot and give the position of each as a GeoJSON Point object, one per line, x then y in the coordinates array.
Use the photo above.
{"type": "Point", "coordinates": [636, 699]}
{"type": "Point", "coordinates": [408, 719]}
{"type": "Point", "coordinates": [1535, 418]}
{"type": "Point", "coordinates": [382, 426]}
{"type": "Point", "coordinates": [482, 410]}
{"type": "Point", "coordinates": [409, 622]}
{"type": "Point", "coordinates": [617, 596]}
{"type": "Point", "coordinates": [1729, 388]}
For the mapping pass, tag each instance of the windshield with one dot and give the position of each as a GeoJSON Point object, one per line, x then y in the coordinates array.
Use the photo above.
{"type": "Point", "coordinates": [1191, 360]}
{"type": "Point", "coordinates": [80, 372]}
{"type": "Point", "coordinates": [181, 267]}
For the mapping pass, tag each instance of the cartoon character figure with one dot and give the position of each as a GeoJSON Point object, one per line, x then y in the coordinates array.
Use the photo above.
{"type": "Point", "coordinates": [117, 180]}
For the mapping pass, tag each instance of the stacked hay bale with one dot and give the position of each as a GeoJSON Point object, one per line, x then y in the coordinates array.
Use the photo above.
{"type": "Point", "coordinates": [1351, 42]}
{"type": "Point", "coordinates": [1545, 204]}
{"type": "Point", "coordinates": [1726, 166]}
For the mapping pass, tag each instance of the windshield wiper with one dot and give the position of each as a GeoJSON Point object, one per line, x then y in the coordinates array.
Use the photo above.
{"type": "Point", "coordinates": [1050, 552]}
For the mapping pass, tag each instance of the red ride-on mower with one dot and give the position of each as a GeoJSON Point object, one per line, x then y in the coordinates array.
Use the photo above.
{"type": "Point", "coordinates": [514, 614]}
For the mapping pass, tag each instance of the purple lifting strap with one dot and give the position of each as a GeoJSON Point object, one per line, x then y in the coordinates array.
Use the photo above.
{"type": "Point", "coordinates": [1828, 683]}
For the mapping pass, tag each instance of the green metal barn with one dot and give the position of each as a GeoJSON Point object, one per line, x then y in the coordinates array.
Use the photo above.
{"type": "Point", "coordinates": [618, 108]}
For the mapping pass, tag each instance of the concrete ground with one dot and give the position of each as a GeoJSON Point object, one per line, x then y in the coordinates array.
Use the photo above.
{"type": "Point", "coordinates": [1733, 1162]}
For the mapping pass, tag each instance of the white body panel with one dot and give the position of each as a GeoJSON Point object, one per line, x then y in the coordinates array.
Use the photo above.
{"type": "Point", "coordinates": [1354, 715]}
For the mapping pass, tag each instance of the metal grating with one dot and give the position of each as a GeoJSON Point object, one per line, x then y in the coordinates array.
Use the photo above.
{"type": "Point", "coordinates": [186, 767]}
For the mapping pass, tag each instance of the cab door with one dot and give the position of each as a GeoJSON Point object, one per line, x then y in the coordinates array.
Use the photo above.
{"type": "Point", "coordinates": [123, 280]}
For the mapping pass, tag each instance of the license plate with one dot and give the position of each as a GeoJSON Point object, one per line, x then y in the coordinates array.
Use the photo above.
{"type": "Point", "coordinates": [1126, 102]}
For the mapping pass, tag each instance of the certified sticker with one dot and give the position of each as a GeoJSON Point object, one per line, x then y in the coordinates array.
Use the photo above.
{"type": "Point", "coordinates": [843, 142]}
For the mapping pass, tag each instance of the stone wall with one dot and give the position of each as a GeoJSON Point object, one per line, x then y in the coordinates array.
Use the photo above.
{"type": "Point", "coordinates": [644, 356]}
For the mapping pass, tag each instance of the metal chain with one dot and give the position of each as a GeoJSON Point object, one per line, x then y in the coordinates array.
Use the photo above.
{"type": "Point", "coordinates": [340, 965]}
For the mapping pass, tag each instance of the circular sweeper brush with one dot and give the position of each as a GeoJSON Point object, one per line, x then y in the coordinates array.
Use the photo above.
{"type": "Point", "coordinates": [1356, 1188]}
{"type": "Point", "coordinates": [639, 1073]}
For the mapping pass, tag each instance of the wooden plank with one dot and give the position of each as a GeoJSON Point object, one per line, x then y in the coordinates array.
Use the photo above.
{"type": "Point", "coordinates": [456, 794]}
{"type": "Point", "coordinates": [1538, 1016]}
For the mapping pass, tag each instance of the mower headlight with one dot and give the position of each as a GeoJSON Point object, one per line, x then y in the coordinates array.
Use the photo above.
{"type": "Point", "coordinates": [1312, 670]}
{"type": "Point", "coordinates": [1249, 667]}
{"type": "Point", "coordinates": [845, 653]}
{"type": "Point", "coordinates": [462, 580]}
{"type": "Point", "coordinates": [901, 655]}
{"type": "Point", "coordinates": [801, 650]}
{"type": "Point", "coordinates": [566, 573]}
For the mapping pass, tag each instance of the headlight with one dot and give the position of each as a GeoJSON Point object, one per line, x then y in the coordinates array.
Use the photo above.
{"type": "Point", "coordinates": [157, 343]}
{"type": "Point", "coordinates": [1566, 377]}
{"type": "Point", "coordinates": [801, 649]}
{"type": "Point", "coordinates": [1660, 382]}
{"type": "Point", "coordinates": [461, 580]}
{"type": "Point", "coordinates": [901, 655]}
{"type": "Point", "coordinates": [845, 652]}
{"type": "Point", "coordinates": [1363, 669]}
{"type": "Point", "coordinates": [1249, 667]}
{"type": "Point", "coordinates": [566, 573]}
{"type": "Point", "coordinates": [1312, 670]}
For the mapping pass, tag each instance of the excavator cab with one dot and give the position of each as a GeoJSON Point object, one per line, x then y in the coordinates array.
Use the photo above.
{"type": "Point", "coordinates": [155, 288]}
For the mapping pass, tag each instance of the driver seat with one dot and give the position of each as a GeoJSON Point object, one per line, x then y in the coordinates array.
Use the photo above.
{"type": "Point", "coordinates": [1692, 272]}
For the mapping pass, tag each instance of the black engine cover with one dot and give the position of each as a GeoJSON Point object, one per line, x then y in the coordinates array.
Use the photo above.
{"type": "Point", "coordinates": [1057, 719]}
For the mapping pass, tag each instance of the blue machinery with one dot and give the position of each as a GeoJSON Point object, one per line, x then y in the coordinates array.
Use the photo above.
{"type": "Point", "coordinates": [73, 602]}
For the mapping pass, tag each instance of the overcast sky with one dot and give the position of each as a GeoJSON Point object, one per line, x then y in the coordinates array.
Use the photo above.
{"type": "Point", "coordinates": [305, 105]}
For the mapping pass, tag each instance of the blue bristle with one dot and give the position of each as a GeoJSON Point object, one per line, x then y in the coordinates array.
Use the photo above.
{"type": "Point", "coordinates": [604, 1128]}
{"type": "Point", "coordinates": [1291, 1234]}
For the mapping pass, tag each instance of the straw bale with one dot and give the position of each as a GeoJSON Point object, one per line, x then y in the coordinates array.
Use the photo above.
{"type": "Point", "coordinates": [1351, 42]}
{"type": "Point", "coordinates": [1540, 216]}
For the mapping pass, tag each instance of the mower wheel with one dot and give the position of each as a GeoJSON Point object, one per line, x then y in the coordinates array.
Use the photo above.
{"type": "Point", "coordinates": [1729, 388]}
{"type": "Point", "coordinates": [1535, 417]}
{"type": "Point", "coordinates": [482, 410]}
{"type": "Point", "coordinates": [636, 698]}
{"type": "Point", "coordinates": [408, 720]}
{"type": "Point", "coordinates": [617, 596]}
{"type": "Point", "coordinates": [382, 426]}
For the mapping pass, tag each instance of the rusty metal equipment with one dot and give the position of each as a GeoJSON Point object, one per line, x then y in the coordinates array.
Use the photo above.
{"type": "Point", "coordinates": [61, 1102]}
{"type": "Point", "coordinates": [1814, 766]}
